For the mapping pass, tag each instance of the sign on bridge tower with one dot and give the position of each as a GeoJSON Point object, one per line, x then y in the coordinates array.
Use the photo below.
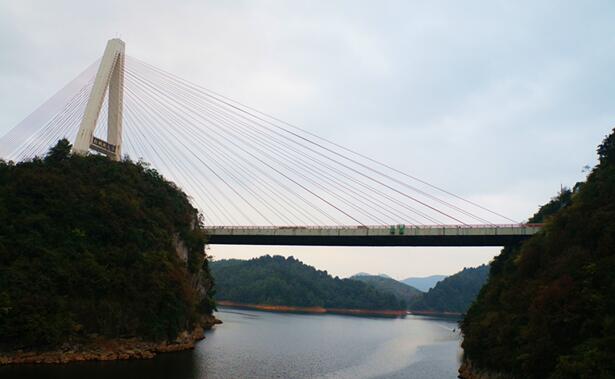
{"type": "Point", "coordinates": [109, 78]}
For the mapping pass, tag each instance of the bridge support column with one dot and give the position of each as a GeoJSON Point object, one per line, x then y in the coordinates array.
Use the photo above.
{"type": "Point", "coordinates": [110, 76]}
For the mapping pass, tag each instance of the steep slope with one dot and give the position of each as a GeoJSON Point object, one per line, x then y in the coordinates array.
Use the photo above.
{"type": "Point", "coordinates": [287, 281]}
{"type": "Point", "coordinates": [89, 246]}
{"type": "Point", "coordinates": [454, 293]}
{"type": "Point", "coordinates": [548, 309]}
{"type": "Point", "coordinates": [425, 283]}
{"type": "Point", "coordinates": [386, 284]}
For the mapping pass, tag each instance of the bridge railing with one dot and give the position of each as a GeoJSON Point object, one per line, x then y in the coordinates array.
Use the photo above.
{"type": "Point", "coordinates": [354, 227]}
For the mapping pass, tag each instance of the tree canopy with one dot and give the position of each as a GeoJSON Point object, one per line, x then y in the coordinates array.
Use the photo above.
{"type": "Point", "coordinates": [90, 246]}
{"type": "Point", "coordinates": [454, 293]}
{"type": "Point", "coordinates": [404, 292]}
{"type": "Point", "coordinates": [548, 308]}
{"type": "Point", "coordinates": [275, 280]}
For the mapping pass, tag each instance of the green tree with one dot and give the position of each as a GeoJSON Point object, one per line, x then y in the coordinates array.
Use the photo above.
{"type": "Point", "coordinates": [548, 310]}
{"type": "Point", "coordinates": [276, 280]}
{"type": "Point", "coordinates": [89, 245]}
{"type": "Point", "coordinates": [454, 293]}
{"type": "Point", "coordinates": [59, 152]}
{"type": "Point", "coordinates": [606, 150]}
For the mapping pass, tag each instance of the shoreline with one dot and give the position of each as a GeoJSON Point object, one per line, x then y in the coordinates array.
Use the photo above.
{"type": "Point", "coordinates": [341, 311]}
{"type": "Point", "coordinates": [103, 349]}
{"type": "Point", "coordinates": [436, 314]}
{"type": "Point", "coordinates": [313, 310]}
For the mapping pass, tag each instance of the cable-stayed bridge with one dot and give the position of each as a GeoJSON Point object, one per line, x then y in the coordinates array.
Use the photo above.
{"type": "Point", "coordinates": [255, 178]}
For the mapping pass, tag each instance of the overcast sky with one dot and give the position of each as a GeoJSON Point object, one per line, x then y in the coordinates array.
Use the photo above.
{"type": "Point", "coordinates": [501, 102]}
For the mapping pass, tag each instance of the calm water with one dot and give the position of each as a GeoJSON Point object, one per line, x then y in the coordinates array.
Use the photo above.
{"type": "Point", "coordinates": [252, 344]}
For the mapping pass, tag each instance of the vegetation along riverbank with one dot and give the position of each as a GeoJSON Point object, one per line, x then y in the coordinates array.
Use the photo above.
{"type": "Point", "coordinates": [100, 260]}
{"type": "Point", "coordinates": [548, 310]}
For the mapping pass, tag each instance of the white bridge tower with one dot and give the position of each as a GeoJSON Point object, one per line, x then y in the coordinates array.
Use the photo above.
{"type": "Point", "coordinates": [110, 76]}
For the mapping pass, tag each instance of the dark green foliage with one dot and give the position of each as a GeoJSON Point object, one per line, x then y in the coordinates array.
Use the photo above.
{"type": "Point", "coordinates": [606, 150]}
{"type": "Point", "coordinates": [405, 293]}
{"type": "Point", "coordinates": [548, 309]}
{"type": "Point", "coordinates": [560, 201]}
{"type": "Point", "coordinates": [59, 152]}
{"type": "Point", "coordinates": [286, 281]}
{"type": "Point", "coordinates": [88, 245]}
{"type": "Point", "coordinates": [454, 293]}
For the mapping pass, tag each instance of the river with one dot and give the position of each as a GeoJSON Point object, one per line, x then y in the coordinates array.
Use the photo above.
{"type": "Point", "coordinates": [255, 344]}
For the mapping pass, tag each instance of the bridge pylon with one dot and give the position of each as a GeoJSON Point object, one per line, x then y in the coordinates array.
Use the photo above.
{"type": "Point", "coordinates": [109, 78]}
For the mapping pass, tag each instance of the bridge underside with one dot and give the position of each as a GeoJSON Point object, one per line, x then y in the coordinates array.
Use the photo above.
{"type": "Point", "coordinates": [368, 240]}
{"type": "Point", "coordinates": [445, 236]}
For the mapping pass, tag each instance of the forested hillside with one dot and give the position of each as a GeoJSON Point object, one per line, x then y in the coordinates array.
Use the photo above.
{"type": "Point", "coordinates": [275, 280]}
{"type": "Point", "coordinates": [89, 246]}
{"type": "Point", "coordinates": [455, 293]}
{"type": "Point", "coordinates": [548, 309]}
{"type": "Point", "coordinates": [402, 291]}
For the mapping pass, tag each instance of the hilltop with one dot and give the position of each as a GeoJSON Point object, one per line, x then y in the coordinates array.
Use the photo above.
{"type": "Point", "coordinates": [548, 309]}
{"type": "Point", "coordinates": [94, 251]}
{"type": "Point", "coordinates": [403, 292]}
{"type": "Point", "coordinates": [368, 274]}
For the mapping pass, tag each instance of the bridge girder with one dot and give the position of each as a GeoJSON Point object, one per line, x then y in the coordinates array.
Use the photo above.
{"type": "Point", "coordinates": [374, 236]}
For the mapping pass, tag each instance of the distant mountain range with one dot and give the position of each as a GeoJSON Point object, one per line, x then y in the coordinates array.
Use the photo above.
{"type": "Point", "coordinates": [275, 280]}
{"type": "Point", "coordinates": [436, 293]}
{"type": "Point", "coordinates": [387, 284]}
{"type": "Point", "coordinates": [454, 293]}
{"type": "Point", "coordinates": [424, 283]}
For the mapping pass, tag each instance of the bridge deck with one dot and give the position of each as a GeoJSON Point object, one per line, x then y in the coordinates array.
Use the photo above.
{"type": "Point", "coordinates": [453, 235]}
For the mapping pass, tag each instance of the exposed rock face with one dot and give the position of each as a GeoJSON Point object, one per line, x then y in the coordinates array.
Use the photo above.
{"type": "Point", "coordinates": [198, 280]}
{"type": "Point", "coordinates": [180, 248]}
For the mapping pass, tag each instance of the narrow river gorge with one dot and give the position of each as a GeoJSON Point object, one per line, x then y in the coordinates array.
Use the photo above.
{"type": "Point", "coordinates": [255, 344]}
